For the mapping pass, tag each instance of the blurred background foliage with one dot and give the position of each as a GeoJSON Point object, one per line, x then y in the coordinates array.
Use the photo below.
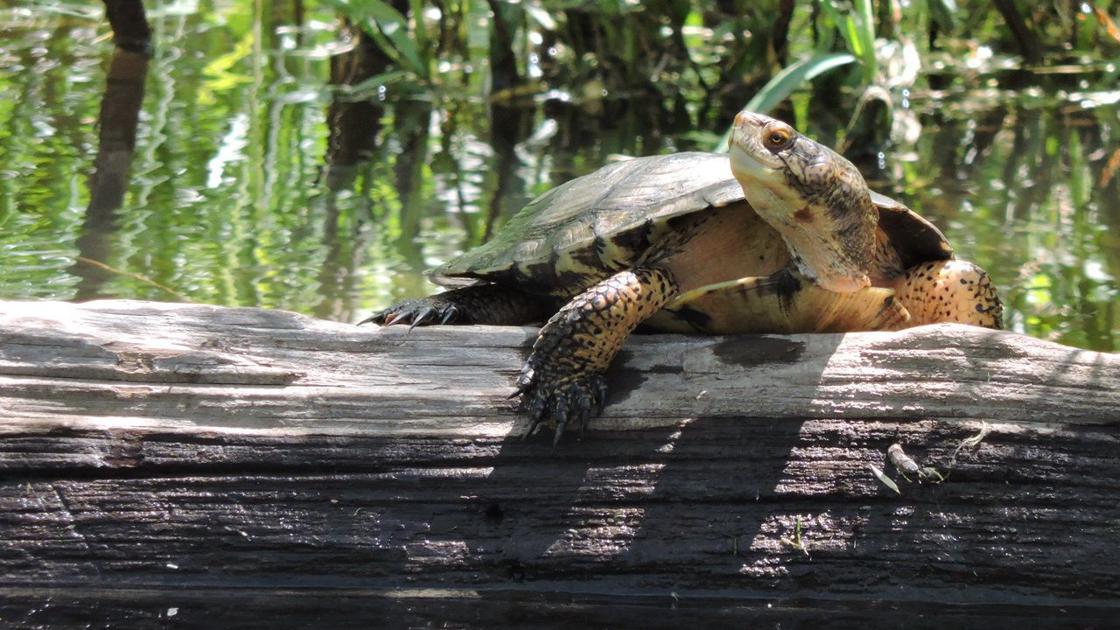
{"type": "Point", "coordinates": [319, 155]}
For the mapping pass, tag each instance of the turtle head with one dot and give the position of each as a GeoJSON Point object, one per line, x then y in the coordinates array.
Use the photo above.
{"type": "Point", "coordinates": [812, 196]}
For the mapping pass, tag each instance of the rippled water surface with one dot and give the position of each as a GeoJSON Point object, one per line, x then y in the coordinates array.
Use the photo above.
{"type": "Point", "coordinates": [246, 179]}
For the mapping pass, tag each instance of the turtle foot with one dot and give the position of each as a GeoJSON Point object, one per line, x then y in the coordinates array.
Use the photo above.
{"type": "Point", "coordinates": [421, 312]}
{"type": "Point", "coordinates": [562, 383]}
{"type": "Point", "coordinates": [561, 401]}
{"type": "Point", "coordinates": [480, 304]}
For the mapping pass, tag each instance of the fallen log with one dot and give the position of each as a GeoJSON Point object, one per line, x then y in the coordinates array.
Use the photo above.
{"type": "Point", "coordinates": [153, 453]}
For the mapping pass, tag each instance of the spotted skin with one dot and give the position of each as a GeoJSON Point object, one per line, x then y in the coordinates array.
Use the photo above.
{"type": "Point", "coordinates": [950, 291]}
{"type": "Point", "coordinates": [483, 304]}
{"type": "Point", "coordinates": [562, 380]}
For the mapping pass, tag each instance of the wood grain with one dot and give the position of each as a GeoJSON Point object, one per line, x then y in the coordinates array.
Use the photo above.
{"type": "Point", "coordinates": [166, 448]}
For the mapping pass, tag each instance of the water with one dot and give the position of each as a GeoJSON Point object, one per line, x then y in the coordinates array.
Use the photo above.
{"type": "Point", "coordinates": [249, 181]}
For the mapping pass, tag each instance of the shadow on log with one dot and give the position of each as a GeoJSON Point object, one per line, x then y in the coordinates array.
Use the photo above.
{"type": "Point", "coordinates": [162, 456]}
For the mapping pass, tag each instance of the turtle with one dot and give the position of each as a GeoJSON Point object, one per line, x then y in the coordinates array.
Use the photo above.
{"type": "Point", "coordinates": [780, 235]}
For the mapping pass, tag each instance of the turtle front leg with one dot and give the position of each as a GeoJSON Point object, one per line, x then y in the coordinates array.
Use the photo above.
{"type": "Point", "coordinates": [562, 380]}
{"type": "Point", "coordinates": [480, 304]}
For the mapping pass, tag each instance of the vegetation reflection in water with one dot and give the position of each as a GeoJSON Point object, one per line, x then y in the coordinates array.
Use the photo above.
{"type": "Point", "coordinates": [250, 181]}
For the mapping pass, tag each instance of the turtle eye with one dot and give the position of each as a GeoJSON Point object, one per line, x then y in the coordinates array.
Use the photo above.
{"type": "Point", "coordinates": [777, 138]}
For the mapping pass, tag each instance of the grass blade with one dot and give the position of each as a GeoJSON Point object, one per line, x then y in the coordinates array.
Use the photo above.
{"type": "Point", "coordinates": [794, 76]}
{"type": "Point", "coordinates": [394, 27]}
{"type": "Point", "coordinates": [865, 32]}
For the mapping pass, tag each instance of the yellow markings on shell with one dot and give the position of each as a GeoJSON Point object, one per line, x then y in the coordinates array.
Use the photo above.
{"type": "Point", "coordinates": [614, 256]}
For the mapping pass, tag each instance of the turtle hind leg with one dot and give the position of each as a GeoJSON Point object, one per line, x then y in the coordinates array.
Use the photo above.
{"type": "Point", "coordinates": [562, 381]}
{"type": "Point", "coordinates": [480, 304]}
{"type": "Point", "coordinates": [950, 291]}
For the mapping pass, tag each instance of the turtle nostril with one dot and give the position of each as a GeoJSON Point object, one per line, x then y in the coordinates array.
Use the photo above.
{"type": "Point", "coordinates": [745, 118]}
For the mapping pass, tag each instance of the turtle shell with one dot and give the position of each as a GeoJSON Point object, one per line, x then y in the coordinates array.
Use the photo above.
{"type": "Point", "coordinates": [914, 238]}
{"type": "Point", "coordinates": [624, 213]}
{"type": "Point", "coordinates": [594, 225]}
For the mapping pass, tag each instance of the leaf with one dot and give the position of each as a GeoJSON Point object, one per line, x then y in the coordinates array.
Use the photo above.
{"type": "Point", "coordinates": [943, 13]}
{"type": "Point", "coordinates": [1107, 23]}
{"type": "Point", "coordinates": [389, 30]}
{"type": "Point", "coordinates": [394, 27]}
{"type": "Point", "coordinates": [371, 84]}
{"type": "Point", "coordinates": [865, 31]}
{"type": "Point", "coordinates": [852, 36]}
{"type": "Point", "coordinates": [857, 27]}
{"type": "Point", "coordinates": [786, 82]}
{"type": "Point", "coordinates": [794, 76]}
{"type": "Point", "coordinates": [839, 21]}
{"type": "Point", "coordinates": [885, 480]}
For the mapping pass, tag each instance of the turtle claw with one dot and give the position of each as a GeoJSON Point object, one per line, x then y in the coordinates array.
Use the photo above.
{"type": "Point", "coordinates": [533, 426]}
{"type": "Point", "coordinates": [370, 319]}
{"type": "Point", "coordinates": [421, 312]}
{"type": "Point", "coordinates": [559, 431]}
{"type": "Point", "coordinates": [450, 314]}
{"type": "Point", "coordinates": [561, 401]}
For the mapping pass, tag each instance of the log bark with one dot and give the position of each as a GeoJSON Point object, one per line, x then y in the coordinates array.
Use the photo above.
{"type": "Point", "coordinates": [160, 453]}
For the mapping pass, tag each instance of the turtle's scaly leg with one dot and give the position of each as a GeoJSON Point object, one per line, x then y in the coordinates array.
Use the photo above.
{"type": "Point", "coordinates": [562, 380]}
{"type": "Point", "coordinates": [481, 304]}
{"type": "Point", "coordinates": [950, 291]}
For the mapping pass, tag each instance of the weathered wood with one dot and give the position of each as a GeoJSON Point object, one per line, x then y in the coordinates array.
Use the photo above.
{"type": "Point", "coordinates": [157, 446]}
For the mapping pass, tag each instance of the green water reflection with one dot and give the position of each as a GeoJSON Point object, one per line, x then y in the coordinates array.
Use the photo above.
{"type": "Point", "coordinates": [251, 182]}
